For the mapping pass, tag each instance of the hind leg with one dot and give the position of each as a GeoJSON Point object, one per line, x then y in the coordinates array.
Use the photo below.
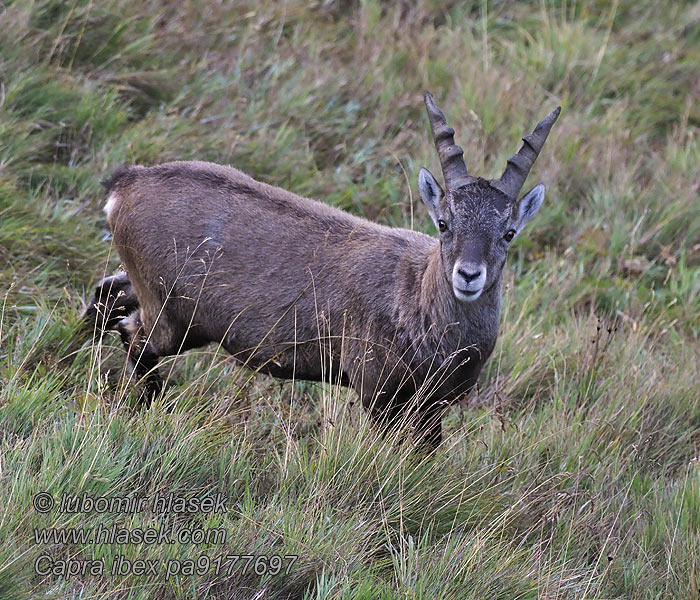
{"type": "Point", "coordinates": [142, 357]}
{"type": "Point", "coordinates": [113, 300]}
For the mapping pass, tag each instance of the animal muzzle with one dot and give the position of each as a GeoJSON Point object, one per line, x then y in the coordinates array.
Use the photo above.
{"type": "Point", "coordinates": [468, 280]}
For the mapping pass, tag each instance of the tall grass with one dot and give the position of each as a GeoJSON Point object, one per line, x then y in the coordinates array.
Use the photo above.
{"type": "Point", "coordinates": [570, 473]}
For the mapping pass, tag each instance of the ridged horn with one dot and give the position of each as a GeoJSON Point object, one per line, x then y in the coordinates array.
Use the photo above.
{"type": "Point", "coordinates": [519, 164]}
{"type": "Point", "coordinates": [454, 170]}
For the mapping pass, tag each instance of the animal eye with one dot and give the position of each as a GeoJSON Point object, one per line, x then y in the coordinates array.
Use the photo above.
{"type": "Point", "coordinates": [510, 234]}
{"type": "Point", "coordinates": [442, 226]}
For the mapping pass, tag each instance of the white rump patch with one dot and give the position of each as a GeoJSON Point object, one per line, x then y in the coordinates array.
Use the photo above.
{"type": "Point", "coordinates": [111, 203]}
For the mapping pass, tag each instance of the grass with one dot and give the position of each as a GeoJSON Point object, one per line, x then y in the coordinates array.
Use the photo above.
{"type": "Point", "coordinates": [570, 473]}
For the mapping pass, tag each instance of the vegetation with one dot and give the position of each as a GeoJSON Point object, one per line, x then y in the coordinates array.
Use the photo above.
{"type": "Point", "coordinates": [570, 473]}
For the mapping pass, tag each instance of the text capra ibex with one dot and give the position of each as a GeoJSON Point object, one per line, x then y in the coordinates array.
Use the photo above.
{"type": "Point", "coordinates": [297, 288]}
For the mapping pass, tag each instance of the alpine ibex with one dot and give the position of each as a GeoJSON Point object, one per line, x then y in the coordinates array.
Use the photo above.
{"type": "Point", "coordinates": [297, 288]}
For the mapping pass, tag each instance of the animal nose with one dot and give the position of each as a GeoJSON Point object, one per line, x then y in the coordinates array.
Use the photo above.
{"type": "Point", "coordinates": [469, 277]}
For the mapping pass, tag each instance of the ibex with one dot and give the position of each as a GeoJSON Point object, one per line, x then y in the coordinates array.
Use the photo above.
{"type": "Point", "coordinates": [299, 289]}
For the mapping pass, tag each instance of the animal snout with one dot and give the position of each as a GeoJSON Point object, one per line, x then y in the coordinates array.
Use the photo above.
{"type": "Point", "coordinates": [469, 276]}
{"type": "Point", "coordinates": [468, 280]}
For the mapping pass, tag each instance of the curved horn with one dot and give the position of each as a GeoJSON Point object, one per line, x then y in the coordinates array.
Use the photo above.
{"type": "Point", "coordinates": [519, 164]}
{"type": "Point", "coordinates": [454, 170]}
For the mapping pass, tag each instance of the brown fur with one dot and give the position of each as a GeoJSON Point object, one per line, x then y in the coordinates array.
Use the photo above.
{"type": "Point", "coordinates": [297, 288]}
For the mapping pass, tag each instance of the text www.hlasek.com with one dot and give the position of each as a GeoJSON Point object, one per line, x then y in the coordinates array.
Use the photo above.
{"type": "Point", "coordinates": [121, 535]}
{"type": "Point", "coordinates": [158, 506]}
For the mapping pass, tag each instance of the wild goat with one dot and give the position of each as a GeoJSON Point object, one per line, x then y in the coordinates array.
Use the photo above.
{"type": "Point", "coordinates": [296, 288]}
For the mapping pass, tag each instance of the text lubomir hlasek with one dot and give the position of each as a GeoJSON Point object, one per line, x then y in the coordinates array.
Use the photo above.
{"type": "Point", "coordinates": [158, 503]}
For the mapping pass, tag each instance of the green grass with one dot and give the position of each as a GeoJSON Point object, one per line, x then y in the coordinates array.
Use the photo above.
{"type": "Point", "coordinates": [571, 472]}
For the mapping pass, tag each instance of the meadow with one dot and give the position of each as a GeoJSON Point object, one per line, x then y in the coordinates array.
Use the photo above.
{"type": "Point", "coordinates": [571, 472]}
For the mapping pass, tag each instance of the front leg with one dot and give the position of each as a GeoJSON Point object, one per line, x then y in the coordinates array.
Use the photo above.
{"type": "Point", "coordinates": [396, 417]}
{"type": "Point", "coordinates": [386, 415]}
{"type": "Point", "coordinates": [428, 426]}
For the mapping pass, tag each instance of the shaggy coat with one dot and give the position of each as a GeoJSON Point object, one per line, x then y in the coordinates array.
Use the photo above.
{"type": "Point", "coordinates": [299, 289]}
{"type": "Point", "coordinates": [215, 256]}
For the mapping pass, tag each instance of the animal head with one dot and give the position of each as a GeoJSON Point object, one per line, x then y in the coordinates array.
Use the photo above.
{"type": "Point", "coordinates": [478, 218]}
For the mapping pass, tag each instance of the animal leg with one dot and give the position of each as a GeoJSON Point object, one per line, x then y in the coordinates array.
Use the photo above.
{"type": "Point", "coordinates": [389, 419]}
{"type": "Point", "coordinates": [428, 426]}
{"type": "Point", "coordinates": [113, 300]}
{"type": "Point", "coordinates": [142, 357]}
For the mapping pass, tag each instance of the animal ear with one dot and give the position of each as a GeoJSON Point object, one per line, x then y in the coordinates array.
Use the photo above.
{"type": "Point", "coordinates": [529, 205]}
{"type": "Point", "coordinates": [430, 191]}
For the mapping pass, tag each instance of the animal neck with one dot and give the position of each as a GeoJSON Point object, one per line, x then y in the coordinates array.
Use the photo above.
{"type": "Point", "coordinates": [478, 320]}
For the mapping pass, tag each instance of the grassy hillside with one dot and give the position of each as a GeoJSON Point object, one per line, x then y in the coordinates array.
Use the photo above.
{"type": "Point", "coordinates": [571, 472]}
